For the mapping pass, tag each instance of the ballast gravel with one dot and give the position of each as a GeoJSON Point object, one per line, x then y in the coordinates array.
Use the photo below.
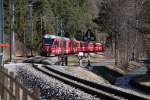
{"type": "Point", "coordinates": [49, 88]}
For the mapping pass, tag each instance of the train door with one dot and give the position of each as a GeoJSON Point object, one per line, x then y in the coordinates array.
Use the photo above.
{"type": "Point", "coordinates": [67, 46]}
{"type": "Point", "coordinates": [84, 46]}
{"type": "Point", "coordinates": [56, 47]}
{"type": "Point", "coordinates": [98, 47]}
{"type": "Point", "coordinates": [53, 47]}
{"type": "Point", "coordinates": [64, 46]}
{"type": "Point", "coordinates": [71, 46]}
{"type": "Point", "coordinates": [59, 46]}
{"type": "Point", "coordinates": [74, 46]}
{"type": "Point", "coordinates": [81, 46]}
{"type": "Point", "coordinates": [91, 47]}
{"type": "Point", "coordinates": [78, 46]}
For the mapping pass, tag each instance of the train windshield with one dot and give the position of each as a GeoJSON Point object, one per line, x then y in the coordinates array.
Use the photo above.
{"type": "Point", "coordinates": [48, 41]}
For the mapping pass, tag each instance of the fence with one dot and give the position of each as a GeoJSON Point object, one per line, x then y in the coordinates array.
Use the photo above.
{"type": "Point", "coordinates": [11, 89]}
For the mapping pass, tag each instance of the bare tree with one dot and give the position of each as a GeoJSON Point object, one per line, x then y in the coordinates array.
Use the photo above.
{"type": "Point", "coordinates": [129, 21]}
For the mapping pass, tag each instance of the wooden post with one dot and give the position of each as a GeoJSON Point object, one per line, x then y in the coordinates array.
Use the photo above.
{"type": "Point", "coordinates": [24, 95]}
{"type": "Point", "coordinates": [5, 85]}
{"type": "Point", "coordinates": [11, 85]}
{"type": "Point", "coordinates": [10, 89]}
{"type": "Point", "coordinates": [17, 91]}
{"type": "Point", "coordinates": [1, 30]}
{"type": "Point", "coordinates": [0, 83]}
{"type": "Point", "coordinates": [36, 92]}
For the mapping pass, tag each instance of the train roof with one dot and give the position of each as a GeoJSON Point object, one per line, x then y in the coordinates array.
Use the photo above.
{"type": "Point", "coordinates": [49, 36]}
{"type": "Point", "coordinates": [58, 37]}
{"type": "Point", "coordinates": [54, 36]}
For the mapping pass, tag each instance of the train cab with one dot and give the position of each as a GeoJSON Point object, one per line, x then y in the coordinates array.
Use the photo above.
{"type": "Point", "coordinates": [47, 42]}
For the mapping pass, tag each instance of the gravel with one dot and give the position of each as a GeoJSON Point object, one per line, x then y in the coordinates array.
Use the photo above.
{"type": "Point", "coordinates": [66, 69]}
{"type": "Point", "coordinates": [49, 87]}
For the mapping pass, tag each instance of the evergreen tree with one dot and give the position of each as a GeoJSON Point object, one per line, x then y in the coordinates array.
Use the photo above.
{"type": "Point", "coordinates": [74, 14]}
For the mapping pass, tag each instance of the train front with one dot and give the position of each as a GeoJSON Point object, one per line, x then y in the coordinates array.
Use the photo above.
{"type": "Point", "coordinates": [47, 42]}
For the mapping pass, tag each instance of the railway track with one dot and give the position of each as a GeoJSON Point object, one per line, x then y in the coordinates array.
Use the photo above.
{"type": "Point", "coordinates": [101, 91]}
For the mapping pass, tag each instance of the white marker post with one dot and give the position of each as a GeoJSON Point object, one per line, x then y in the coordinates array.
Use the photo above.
{"type": "Point", "coordinates": [80, 56]}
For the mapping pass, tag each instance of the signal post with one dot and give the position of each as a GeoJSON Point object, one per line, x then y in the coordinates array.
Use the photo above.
{"type": "Point", "coordinates": [1, 32]}
{"type": "Point", "coordinates": [89, 36]}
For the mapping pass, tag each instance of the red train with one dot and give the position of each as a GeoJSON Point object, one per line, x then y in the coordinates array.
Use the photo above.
{"type": "Point", "coordinates": [57, 45]}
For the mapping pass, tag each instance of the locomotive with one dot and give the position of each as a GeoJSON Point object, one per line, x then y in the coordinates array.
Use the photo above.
{"type": "Point", "coordinates": [56, 45]}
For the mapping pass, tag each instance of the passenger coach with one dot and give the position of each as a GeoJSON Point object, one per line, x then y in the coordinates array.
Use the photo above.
{"type": "Point", "coordinates": [55, 45]}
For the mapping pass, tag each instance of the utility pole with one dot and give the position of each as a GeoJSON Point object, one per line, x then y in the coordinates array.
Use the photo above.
{"type": "Point", "coordinates": [116, 59]}
{"type": "Point", "coordinates": [62, 45]}
{"type": "Point", "coordinates": [30, 37]}
{"type": "Point", "coordinates": [41, 19]}
{"type": "Point", "coordinates": [57, 25]}
{"type": "Point", "coordinates": [1, 31]}
{"type": "Point", "coordinates": [88, 33]}
{"type": "Point", "coordinates": [64, 58]}
{"type": "Point", "coordinates": [11, 27]}
{"type": "Point", "coordinates": [61, 25]}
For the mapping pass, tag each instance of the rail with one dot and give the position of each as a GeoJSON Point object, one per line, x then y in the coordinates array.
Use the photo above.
{"type": "Point", "coordinates": [102, 91]}
{"type": "Point", "coordinates": [12, 89]}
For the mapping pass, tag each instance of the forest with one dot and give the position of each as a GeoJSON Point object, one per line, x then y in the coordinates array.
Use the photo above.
{"type": "Point", "coordinates": [126, 23]}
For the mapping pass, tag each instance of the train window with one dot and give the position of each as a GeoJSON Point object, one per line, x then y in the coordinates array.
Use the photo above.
{"type": "Point", "coordinates": [56, 43]}
{"type": "Point", "coordinates": [81, 44]}
{"type": "Point", "coordinates": [64, 43]}
{"type": "Point", "coordinates": [48, 40]}
{"type": "Point", "coordinates": [70, 44]}
{"type": "Point", "coordinates": [75, 44]}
